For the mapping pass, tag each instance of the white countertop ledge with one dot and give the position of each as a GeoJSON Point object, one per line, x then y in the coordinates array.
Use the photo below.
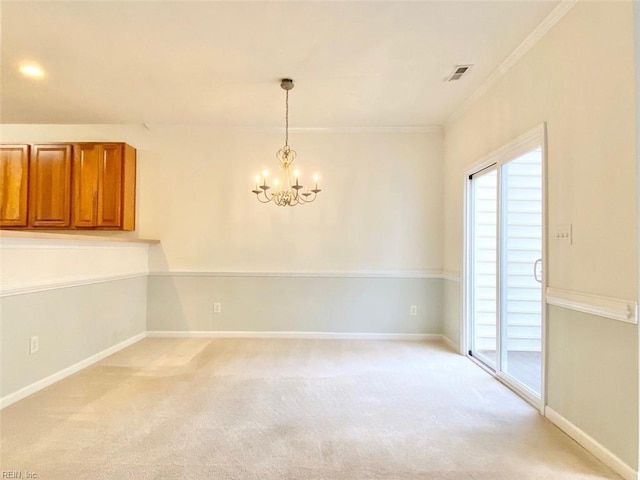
{"type": "Point", "coordinates": [70, 237]}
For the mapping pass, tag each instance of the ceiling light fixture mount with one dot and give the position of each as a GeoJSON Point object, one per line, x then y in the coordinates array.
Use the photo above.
{"type": "Point", "coordinates": [286, 187]}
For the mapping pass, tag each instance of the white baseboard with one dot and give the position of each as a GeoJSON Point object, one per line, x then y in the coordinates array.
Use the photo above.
{"type": "Point", "coordinates": [591, 445]}
{"type": "Point", "coordinates": [325, 335]}
{"type": "Point", "coordinates": [450, 343]}
{"type": "Point", "coordinates": [56, 377]}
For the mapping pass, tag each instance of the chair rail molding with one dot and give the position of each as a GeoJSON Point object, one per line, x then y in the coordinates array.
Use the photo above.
{"type": "Point", "coordinates": [429, 274]}
{"type": "Point", "coordinates": [613, 308]}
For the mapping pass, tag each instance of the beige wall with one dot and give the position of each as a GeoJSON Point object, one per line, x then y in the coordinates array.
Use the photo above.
{"type": "Point", "coordinates": [380, 209]}
{"type": "Point", "coordinates": [579, 79]}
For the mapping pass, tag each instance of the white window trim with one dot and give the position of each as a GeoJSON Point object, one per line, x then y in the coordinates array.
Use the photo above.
{"type": "Point", "coordinates": [536, 137]}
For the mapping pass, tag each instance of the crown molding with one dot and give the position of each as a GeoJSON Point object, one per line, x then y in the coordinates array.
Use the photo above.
{"type": "Point", "coordinates": [540, 31]}
{"type": "Point", "coordinates": [406, 129]}
{"type": "Point", "coordinates": [420, 129]}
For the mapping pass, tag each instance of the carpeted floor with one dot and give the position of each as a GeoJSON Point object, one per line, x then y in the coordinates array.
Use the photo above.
{"type": "Point", "coordinates": [286, 409]}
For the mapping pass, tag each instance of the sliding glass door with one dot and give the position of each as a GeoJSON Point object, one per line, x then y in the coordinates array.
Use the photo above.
{"type": "Point", "coordinates": [504, 268]}
{"type": "Point", "coordinates": [484, 275]}
{"type": "Point", "coordinates": [521, 275]}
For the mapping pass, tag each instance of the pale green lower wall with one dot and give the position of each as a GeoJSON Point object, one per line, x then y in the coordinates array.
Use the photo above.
{"type": "Point", "coordinates": [300, 304]}
{"type": "Point", "coordinates": [73, 324]}
{"type": "Point", "coordinates": [452, 315]}
{"type": "Point", "coordinates": [592, 378]}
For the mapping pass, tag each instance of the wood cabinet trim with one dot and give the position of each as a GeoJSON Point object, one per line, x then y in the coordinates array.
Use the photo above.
{"type": "Point", "coordinates": [50, 202]}
{"type": "Point", "coordinates": [14, 186]}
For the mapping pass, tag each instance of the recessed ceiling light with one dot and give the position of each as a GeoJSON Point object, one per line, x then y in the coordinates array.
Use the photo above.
{"type": "Point", "coordinates": [31, 70]}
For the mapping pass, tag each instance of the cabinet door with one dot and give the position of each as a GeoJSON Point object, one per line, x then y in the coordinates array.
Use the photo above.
{"type": "Point", "coordinates": [14, 182]}
{"type": "Point", "coordinates": [86, 165]}
{"type": "Point", "coordinates": [110, 186]}
{"type": "Point", "coordinates": [50, 186]}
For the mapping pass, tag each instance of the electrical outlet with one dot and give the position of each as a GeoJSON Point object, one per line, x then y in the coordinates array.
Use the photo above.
{"type": "Point", "coordinates": [413, 310]}
{"type": "Point", "coordinates": [34, 344]}
{"type": "Point", "coordinates": [217, 307]}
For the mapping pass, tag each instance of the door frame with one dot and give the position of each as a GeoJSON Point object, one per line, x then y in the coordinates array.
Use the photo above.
{"type": "Point", "coordinates": [535, 137]}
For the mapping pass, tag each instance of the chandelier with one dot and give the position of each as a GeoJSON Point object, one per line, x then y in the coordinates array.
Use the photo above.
{"type": "Point", "coordinates": [286, 188]}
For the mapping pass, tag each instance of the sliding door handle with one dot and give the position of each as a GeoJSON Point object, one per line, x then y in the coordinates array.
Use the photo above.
{"type": "Point", "coordinates": [535, 270]}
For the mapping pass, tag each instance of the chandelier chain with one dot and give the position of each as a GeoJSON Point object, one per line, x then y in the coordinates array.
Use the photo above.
{"type": "Point", "coordinates": [286, 130]}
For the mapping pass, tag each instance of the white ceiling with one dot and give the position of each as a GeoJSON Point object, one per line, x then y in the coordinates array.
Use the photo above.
{"type": "Point", "coordinates": [355, 64]}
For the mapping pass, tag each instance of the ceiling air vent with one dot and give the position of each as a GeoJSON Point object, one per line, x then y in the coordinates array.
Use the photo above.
{"type": "Point", "coordinates": [458, 72]}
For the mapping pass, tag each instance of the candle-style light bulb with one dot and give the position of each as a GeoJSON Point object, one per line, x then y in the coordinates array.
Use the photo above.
{"type": "Point", "coordinates": [257, 178]}
{"type": "Point", "coordinates": [296, 173]}
{"type": "Point", "coordinates": [265, 173]}
{"type": "Point", "coordinates": [276, 182]}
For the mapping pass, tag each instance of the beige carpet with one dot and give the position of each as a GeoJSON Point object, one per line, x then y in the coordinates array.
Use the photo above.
{"type": "Point", "coordinates": [286, 409]}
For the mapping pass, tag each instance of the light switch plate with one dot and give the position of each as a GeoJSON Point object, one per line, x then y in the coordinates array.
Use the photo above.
{"type": "Point", "coordinates": [564, 233]}
{"type": "Point", "coordinates": [34, 345]}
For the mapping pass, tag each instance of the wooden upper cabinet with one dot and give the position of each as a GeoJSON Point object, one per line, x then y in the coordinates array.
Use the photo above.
{"type": "Point", "coordinates": [50, 186]}
{"type": "Point", "coordinates": [86, 164]}
{"type": "Point", "coordinates": [110, 186]}
{"type": "Point", "coordinates": [75, 185]}
{"type": "Point", "coordinates": [14, 183]}
{"type": "Point", "coordinates": [104, 186]}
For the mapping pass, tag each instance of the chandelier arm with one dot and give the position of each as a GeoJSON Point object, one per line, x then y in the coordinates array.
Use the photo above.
{"type": "Point", "coordinates": [304, 200]}
{"type": "Point", "coordinates": [264, 192]}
